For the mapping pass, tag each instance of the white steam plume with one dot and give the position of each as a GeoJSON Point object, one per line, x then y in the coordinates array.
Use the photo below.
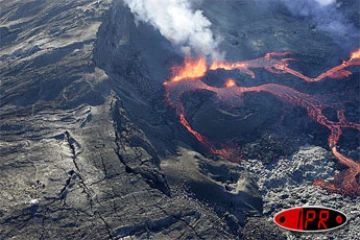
{"type": "Point", "coordinates": [325, 2]}
{"type": "Point", "coordinates": [179, 23]}
{"type": "Point", "coordinates": [327, 18]}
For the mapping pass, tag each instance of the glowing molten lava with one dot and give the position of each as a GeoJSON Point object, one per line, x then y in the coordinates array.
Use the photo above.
{"type": "Point", "coordinates": [190, 70]}
{"type": "Point", "coordinates": [355, 55]}
{"type": "Point", "coordinates": [230, 83]}
{"type": "Point", "coordinates": [228, 66]}
{"type": "Point", "coordinates": [198, 136]}
{"type": "Point", "coordinates": [271, 63]}
{"type": "Point", "coordinates": [344, 182]}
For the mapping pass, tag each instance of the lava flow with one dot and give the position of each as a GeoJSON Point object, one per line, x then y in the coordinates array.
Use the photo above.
{"type": "Point", "coordinates": [281, 66]}
{"type": "Point", "coordinates": [189, 78]}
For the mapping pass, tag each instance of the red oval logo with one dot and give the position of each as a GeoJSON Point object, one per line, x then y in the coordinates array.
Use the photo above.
{"type": "Point", "coordinates": [310, 219]}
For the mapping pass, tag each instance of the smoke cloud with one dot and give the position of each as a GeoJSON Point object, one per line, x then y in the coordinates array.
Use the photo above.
{"type": "Point", "coordinates": [327, 18]}
{"type": "Point", "coordinates": [325, 2]}
{"type": "Point", "coordinates": [183, 26]}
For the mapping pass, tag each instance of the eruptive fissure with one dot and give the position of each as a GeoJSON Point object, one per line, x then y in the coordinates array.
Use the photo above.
{"type": "Point", "coordinates": [188, 78]}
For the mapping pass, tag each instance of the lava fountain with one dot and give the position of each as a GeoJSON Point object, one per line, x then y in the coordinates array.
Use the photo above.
{"type": "Point", "coordinates": [189, 78]}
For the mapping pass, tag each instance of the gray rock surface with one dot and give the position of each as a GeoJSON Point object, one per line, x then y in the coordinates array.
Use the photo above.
{"type": "Point", "coordinates": [288, 183]}
{"type": "Point", "coordinates": [88, 149]}
{"type": "Point", "coordinates": [81, 143]}
{"type": "Point", "coordinates": [254, 114]}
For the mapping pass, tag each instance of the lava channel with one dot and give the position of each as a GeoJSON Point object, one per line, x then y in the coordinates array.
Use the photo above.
{"type": "Point", "coordinates": [188, 78]}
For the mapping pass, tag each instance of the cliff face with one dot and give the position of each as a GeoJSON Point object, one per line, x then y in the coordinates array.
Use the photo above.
{"type": "Point", "coordinates": [84, 131]}
{"type": "Point", "coordinates": [90, 150]}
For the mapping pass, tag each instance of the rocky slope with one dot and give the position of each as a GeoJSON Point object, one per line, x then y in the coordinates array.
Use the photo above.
{"type": "Point", "coordinates": [287, 183]}
{"type": "Point", "coordinates": [89, 149]}
{"type": "Point", "coordinates": [74, 161]}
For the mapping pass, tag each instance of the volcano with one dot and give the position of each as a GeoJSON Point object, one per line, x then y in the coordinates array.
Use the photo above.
{"type": "Point", "coordinates": [139, 119]}
{"type": "Point", "coordinates": [191, 74]}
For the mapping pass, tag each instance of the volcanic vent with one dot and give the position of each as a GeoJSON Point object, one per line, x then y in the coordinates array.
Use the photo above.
{"type": "Point", "coordinates": [226, 104]}
{"type": "Point", "coordinates": [189, 78]}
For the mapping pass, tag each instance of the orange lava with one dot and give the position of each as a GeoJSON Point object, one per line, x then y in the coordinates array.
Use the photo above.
{"type": "Point", "coordinates": [271, 63]}
{"type": "Point", "coordinates": [228, 66]}
{"type": "Point", "coordinates": [186, 124]}
{"type": "Point", "coordinates": [230, 83]}
{"type": "Point", "coordinates": [230, 153]}
{"type": "Point", "coordinates": [344, 182]}
{"type": "Point", "coordinates": [355, 55]}
{"type": "Point", "coordinates": [191, 70]}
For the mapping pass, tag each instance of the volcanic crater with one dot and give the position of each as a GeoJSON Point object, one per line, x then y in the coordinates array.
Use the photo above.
{"type": "Point", "coordinates": [99, 126]}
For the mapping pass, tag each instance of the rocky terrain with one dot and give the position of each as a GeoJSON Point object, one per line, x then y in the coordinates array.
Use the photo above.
{"type": "Point", "coordinates": [90, 150]}
{"type": "Point", "coordinates": [287, 183]}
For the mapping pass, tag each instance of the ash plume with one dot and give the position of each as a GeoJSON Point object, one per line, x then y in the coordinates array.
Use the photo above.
{"type": "Point", "coordinates": [178, 22]}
